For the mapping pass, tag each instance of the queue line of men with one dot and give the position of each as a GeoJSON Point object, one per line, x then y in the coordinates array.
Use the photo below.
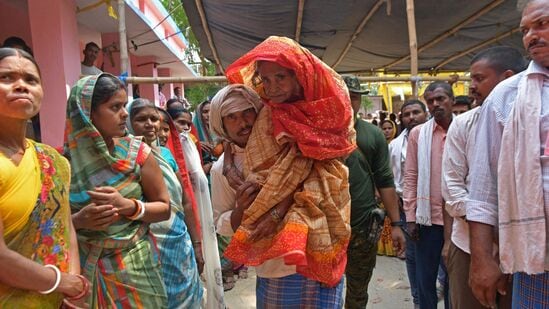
{"type": "Point", "coordinates": [492, 178]}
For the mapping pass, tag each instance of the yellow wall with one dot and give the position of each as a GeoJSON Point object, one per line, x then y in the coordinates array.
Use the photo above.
{"type": "Point", "coordinates": [390, 89]}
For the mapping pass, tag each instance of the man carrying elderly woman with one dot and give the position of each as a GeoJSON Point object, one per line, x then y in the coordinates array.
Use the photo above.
{"type": "Point", "coordinates": [291, 218]}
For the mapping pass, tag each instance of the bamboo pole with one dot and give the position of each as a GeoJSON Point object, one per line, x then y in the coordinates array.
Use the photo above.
{"type": "Point", "coordinates": [410, 78]}
{"type": "Point", "coordinates": [450, 32]}
{"type": "Point", "coordinates": [222, 79]}
{"type": "Point", "coordinates": [208, 33]}
{"type": "Point", "coordinates": [476, 47]}
{"type": "Point", "coordinates": [122, 36]}
{"type": "Point", "coordinates": [412, 37]}
{"type": "Point", "coordinates": [299, 21]}
{"type": "Point", "coordinates": [176, 79]}
{"type": "Point", "coordinates": [358, 30]}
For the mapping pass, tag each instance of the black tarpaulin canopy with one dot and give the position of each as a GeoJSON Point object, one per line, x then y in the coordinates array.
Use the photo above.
{"type": "Point", "coordinates": [359, 36]}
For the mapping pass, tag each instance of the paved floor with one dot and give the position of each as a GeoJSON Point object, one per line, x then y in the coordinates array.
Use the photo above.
{"type": "Point", "coordinates": [388, 289]}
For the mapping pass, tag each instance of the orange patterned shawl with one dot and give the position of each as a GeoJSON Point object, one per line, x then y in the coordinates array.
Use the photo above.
{"type": "Point", "coordinates": [315, 232]}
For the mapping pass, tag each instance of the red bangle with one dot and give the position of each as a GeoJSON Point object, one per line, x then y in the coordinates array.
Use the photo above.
{"type": "Point", "coordinates": [85, 289]}
{"type": "Point", "coordinates": [137, 209]}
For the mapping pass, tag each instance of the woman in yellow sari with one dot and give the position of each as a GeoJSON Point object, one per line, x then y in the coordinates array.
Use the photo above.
{"type": "Point", "coordinates": [37, 239]}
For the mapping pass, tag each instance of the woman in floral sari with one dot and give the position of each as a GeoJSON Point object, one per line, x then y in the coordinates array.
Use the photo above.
{"type": "Point", "coordinates": [177, 257]}
{"type": "Point", "coordinates": [38, 250]}
{"type": "Point", "coordinates": [116, 190]}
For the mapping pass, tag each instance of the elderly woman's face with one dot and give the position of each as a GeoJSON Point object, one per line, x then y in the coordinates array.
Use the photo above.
{"type": "Point", "coordinates": [20, 88]}
{"type": "Point", "coordinates": [280, 84]}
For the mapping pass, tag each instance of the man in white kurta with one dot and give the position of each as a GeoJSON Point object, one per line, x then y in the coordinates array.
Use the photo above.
{"type": "Point", "coordinates": [488, 68]}
{"type": "Point", "coordinates": [510, 178]}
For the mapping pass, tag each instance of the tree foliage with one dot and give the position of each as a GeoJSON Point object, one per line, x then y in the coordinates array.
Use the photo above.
{"type": "Point", "coordinates": [196, 93]}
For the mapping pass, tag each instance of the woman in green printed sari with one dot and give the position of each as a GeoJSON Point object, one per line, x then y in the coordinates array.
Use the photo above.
{"type": "Point", "coordinates": [117, 189]}
{"type": "Point", "coordinates": [38, 251]}
{"type": "Point", "coordinates": [177, 256]}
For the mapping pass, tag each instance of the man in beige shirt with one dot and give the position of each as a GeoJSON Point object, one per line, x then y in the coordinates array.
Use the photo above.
{"type": "Point", "coordinates": [228, 204]}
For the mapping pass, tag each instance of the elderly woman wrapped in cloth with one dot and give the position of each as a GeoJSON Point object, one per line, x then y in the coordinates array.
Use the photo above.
{"type": "Point", "coordinates": [117, 189]}
{"type": "Point", "coordinates": [302, 210]}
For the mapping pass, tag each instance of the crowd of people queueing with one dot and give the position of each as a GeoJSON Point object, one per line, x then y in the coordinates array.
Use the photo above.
{"type": "Point", "coordinates": [122, 215]}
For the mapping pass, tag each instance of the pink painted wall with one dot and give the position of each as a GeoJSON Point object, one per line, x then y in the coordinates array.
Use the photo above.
{"type": "Point", "coordinates": [154, 14]}
{"type": "Point", "coordinates": [108, 39]}
{"type": "Point", "coordinates": [56, 48]}
{"type": "Point", "coordinates": [15, 21]}
{"type": "Point", "coordinates": [145, 66]}
{"type": "Point", "coordinates": [167, 90]}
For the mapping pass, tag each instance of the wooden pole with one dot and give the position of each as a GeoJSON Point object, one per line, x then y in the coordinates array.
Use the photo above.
{"type": "Point", "coordinates": [122, 36]}
{"type": "Point", "coordinates": [208, 33]}
{"type": "Point", "coordinates": [450, 32]}
{"type": "Point", "coordinates": [413, 43]}
{"type": "Point", "coordinates": [299, 21]}
{"type": "Point", "coordinates": [222, 79]}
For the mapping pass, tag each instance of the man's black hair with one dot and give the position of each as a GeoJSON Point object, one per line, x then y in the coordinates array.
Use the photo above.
{"type": "Point", "coordinates": [91, 44]}
{"type": "Point", "coordinates": [463, 100]}
{"type": "Point", "coordinates": [502, 58]}
{"type": "Point", "coordinates": [443, 85]}
{"type": "Point", "coordinates": [413, 102]}
{"type": "Point", "coordinates": [17, 42]}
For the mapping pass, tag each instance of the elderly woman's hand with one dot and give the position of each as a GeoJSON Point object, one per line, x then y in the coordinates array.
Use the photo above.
{"type": "Point", "coordinates": [264, 226]}
{"type": "Point", "coordinates": [268, 223]}
{"type": "Point", "coordinates": [95, 217]}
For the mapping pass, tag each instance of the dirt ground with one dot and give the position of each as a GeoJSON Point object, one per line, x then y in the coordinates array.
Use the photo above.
{"type": "Point", "coordinates": [389, 288]}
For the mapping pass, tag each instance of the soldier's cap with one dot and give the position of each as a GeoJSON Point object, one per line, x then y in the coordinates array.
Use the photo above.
{"type": "Point", "coordinates": [354, 84]}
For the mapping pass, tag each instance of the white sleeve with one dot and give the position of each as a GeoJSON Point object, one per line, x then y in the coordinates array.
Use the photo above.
{"type": "Point", "coordinates": [223, 199]}
{"type": "Point", "coordinates": [455, 168]}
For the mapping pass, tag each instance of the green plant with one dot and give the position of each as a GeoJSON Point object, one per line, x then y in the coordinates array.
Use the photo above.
{"type": "Point", "coordinates": [194, 93]}
{"type": "Point", "coordinates": [366, 102]}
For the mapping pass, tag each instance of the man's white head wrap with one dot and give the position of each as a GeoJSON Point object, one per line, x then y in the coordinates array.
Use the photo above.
{"type": "Point", "coordinates": [231, 99]}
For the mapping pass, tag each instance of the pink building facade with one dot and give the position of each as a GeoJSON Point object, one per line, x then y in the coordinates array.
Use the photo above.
{"type": "Point", "coordinates": [57, 31]}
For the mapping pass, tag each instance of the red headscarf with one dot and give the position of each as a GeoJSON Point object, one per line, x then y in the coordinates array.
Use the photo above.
{"type": "Point", "coordinates": [321, 122]}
